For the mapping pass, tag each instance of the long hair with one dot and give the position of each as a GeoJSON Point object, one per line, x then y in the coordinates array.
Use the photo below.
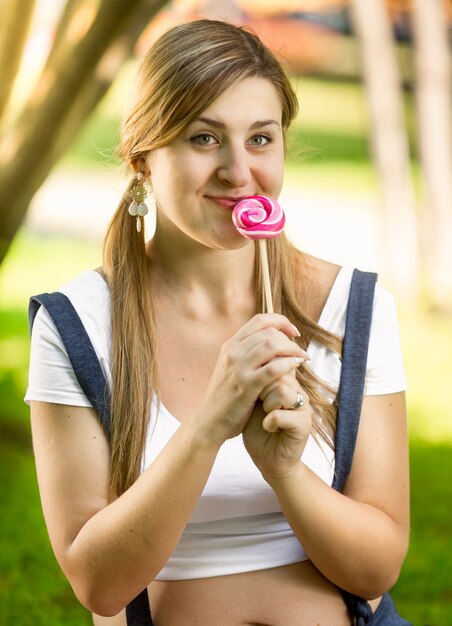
{"type": "Point", "coordinates": [181, 75]}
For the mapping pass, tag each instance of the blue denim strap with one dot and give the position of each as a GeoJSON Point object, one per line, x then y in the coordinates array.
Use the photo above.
{"type": "Point", "coordinates": [79, 348]}
{"type": "Point", "coordinates": [353, 371]}
{"type": "Point", "coordinates": [350, 397]}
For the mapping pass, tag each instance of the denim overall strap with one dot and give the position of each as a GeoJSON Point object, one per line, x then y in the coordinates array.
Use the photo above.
{"type": "Point", "coordinates": [79, 348]}
{"type": "Point", "coordinates": [89, 373]}
{"type": "Point", "coordinates": [353, 371]}
{"type": "Point", "coordinates": [350, 396]}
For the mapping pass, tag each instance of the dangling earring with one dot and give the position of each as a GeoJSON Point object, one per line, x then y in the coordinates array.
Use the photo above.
{"type": "Point", "coordinates": [138, 207]}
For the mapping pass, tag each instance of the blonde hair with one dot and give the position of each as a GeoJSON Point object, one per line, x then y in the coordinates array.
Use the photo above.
{"type": "Point", "coordinates": [182, 74]}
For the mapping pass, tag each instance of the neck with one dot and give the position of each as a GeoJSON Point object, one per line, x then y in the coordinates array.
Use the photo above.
{"type": "Point", "coordinates": [203, 283]}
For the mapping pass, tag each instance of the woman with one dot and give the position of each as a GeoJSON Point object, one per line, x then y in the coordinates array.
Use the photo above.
{"type": "Point", "coordinates": [216, 505]}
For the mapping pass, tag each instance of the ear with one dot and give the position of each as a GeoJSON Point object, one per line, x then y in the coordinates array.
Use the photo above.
{"type": "Point", "coordinates": [140, 164]}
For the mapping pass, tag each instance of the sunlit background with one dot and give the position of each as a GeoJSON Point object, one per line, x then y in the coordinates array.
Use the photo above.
{"type": "Point", "coordinates": [368, 184]}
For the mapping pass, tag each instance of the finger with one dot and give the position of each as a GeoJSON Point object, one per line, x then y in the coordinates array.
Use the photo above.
{"type": "Point", "coordinates": [270, 338]}
{"type": "Point", "coordinates": [295, 424]}
{"type": "Point", "coordinates": [288, 379]}
{"type": "Point", "coordinates": [270, 344]}
{"type": "Point", "coordinates": [267, 320]}
{"type": "Point", "coordinates": [282, 397]}
{"type": "Point", "coordinates": [272, 371]}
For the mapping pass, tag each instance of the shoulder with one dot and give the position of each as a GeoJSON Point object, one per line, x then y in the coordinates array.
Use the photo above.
{"type": "Point", "coordinates": [327, 289]}
{"type": "Point", "coordinates": [320, 272]}
{"type": "Point", "coordinates": [90, 297]}
{"type": "Point", "coordinates": [88, 289]}
{"type": "Point", "coordinates": [385, 367]}
{"type": "Point", "coordinates": [385, 371]}
{"type": "Point", "coordinates": [317, 277]}
{"type": "Point", "coordinates": [326, 278]}
{"type": "Point", "coordinates": [51, 375]}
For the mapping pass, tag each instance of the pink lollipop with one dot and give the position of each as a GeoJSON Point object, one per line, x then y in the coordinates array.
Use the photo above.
{"type": "Point", "coordinates": [259, 217]}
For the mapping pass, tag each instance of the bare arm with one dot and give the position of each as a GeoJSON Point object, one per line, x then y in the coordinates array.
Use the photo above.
{"type": "Point", "coordinates": [110, 552]}
{"type": "Point", "coordinates": [357, 539]}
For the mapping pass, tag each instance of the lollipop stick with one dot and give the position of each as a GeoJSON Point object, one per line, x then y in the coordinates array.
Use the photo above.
{"type": "Point", "coordinates": [266, 275]}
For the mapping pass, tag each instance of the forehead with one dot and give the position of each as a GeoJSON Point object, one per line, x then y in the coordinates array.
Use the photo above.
{"type": "Point", "coordinates": [250, 98]}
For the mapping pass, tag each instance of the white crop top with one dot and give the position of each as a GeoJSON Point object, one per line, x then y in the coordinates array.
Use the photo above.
{"type": "Point", "coordinates": [237, 525]}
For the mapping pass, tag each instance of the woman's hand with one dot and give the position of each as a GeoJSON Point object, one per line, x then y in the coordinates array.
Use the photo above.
{"type": "Point", "coordinates": [259, 354]}
{"type": "Point", "coordinates": [276, 434]}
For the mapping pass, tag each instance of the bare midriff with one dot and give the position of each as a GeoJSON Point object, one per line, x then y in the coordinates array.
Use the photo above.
{"type": "Point", "coordinates": [291, 595]}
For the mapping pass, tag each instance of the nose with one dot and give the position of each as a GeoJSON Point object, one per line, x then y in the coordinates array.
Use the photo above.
{"type": "Point", "coordinates": [235, 167]}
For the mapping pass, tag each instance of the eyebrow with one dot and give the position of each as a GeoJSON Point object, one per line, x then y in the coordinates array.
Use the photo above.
{"type": "Point", "coordinates": [258, 124]}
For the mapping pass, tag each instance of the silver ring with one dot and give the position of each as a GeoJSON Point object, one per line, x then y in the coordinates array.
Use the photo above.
{"type": "Point", "coordinates": [298, 402]}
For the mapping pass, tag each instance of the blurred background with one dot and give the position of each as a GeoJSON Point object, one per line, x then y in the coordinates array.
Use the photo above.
{"type": "Point", "coordinates": [368, 183]}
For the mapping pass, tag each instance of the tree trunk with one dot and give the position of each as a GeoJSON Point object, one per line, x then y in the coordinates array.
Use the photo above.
{"type": "Point", "coordinates": [389, 143]}
{"type": "Point", "coordinates": [60, 42]}
{"type": "Point", "coordinates": [63, 100]}
{"type": "Point", "coordinates": [15, 18]}
{"type": "Point", "coordinates": [434, 104]}
{"type": "Point", "coordinates": [107, 69]}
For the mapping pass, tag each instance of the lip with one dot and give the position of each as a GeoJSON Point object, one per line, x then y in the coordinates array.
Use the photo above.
{"type": "Point", "coordinates": [226, 202]}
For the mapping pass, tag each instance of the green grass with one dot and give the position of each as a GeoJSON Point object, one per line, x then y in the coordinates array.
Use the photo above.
{"type": "Point", "coordinates": [33, 590]}
{"type": "Point", "coordinates": [423, 594]}
{"type": "Point", "coordinates": [41, 262]}
{"type": "Point", "coordinates": [426, 341]}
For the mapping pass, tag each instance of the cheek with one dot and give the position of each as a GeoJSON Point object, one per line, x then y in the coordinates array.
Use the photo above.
{"type": "Point", "coordinates": [186, 174]}
{"type": "Point", "coordinates": [273, 175]}
{"type": "Point", "coordinates": [166, 182]}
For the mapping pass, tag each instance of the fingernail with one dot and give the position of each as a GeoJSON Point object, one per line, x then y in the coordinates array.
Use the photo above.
{"type": "Point", "coordinates": [298, 334]}
{"type": "Point", "coordinates": [299, 360]}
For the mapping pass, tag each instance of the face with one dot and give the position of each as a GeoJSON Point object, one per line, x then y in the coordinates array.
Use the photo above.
{"type": "Point", "coordinates": [234, 149]}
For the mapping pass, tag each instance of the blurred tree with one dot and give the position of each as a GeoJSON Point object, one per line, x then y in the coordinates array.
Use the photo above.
{"type": "Point", "coordinates": [434, 106]}
{"type": "Point", "coordinates": [80, 68]}
{"type": "Point", "coordinates": [13, 33]}
{"type": "Point", "coordinates": [389, 143]}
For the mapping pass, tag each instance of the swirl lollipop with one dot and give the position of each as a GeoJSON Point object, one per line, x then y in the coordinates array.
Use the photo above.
{"type": "Point", "coordinates": [259, 217]}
